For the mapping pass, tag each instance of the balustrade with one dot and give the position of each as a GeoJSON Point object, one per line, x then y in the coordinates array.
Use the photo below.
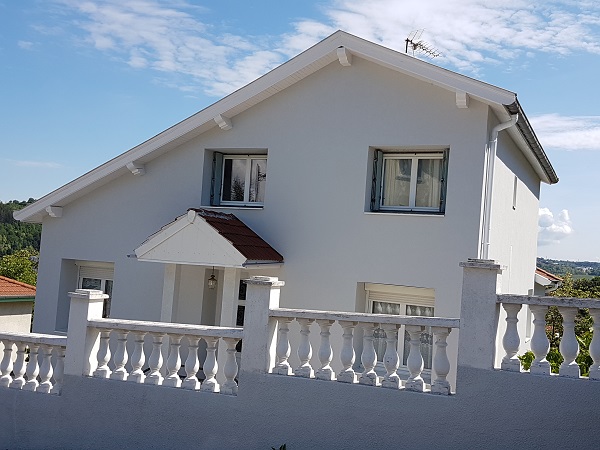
{"type": "Point", "coordinates": [20, 367]}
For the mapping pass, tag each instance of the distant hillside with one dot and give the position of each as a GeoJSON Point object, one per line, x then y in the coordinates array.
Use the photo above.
{"type": "Point", "coordinates": [577, 268]}
{"type": "Point", "coordinates": [16, 235]}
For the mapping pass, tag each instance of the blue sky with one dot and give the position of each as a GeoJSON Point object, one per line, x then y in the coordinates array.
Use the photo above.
{"type": "Point", "coordinates": [83, 81]}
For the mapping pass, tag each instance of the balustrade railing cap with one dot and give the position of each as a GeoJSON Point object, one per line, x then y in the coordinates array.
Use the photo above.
{"type": "Point", "coordinates": [265, 281]}
{"type": "Point", "coordinates": [89, 294]}
{"type": "Point", "coordinates": [481, 264]}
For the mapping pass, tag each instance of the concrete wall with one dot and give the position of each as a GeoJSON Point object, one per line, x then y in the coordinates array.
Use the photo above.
{"type": "Point", "coordinates": [16, 315]}
{"type": "Point", "coordinates": [492, 410]}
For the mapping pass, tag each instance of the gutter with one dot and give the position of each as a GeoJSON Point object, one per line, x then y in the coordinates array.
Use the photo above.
{"type": "Point", "coordinates": [489, 177]}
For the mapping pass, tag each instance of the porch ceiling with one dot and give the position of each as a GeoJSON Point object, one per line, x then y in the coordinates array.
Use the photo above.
{"type": "Point", "coordinates": [207, 238]}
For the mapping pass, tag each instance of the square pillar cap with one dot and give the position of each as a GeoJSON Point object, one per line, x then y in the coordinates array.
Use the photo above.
{"type": "Point", "coordinates": [88, 294]}
{"type": "Point", "coordinates": [474, 263]}
{"type": "Point", "coordinates": [265, 281]}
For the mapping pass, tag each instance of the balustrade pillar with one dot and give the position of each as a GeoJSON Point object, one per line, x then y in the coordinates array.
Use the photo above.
{"type": "Point", "coordinates": [369, 357]}
{"type": "Point", "coordinates": [192, 364]}
{"type": "Point", "coordinates": [121, 357]}
{"type": "Point", "coordinates": [569, 348]}
{"type": "Point", "coordinates": [173, 362]}
{"type": "Point", "coordinates": [6, 365]}
{"type": "Point", "coordinates": [283, 348]}
{"type": "Point", "coordinates": [59, 370]}
{"type": "Point", "coordinates": [347, 355]}
{"type": "Point", "coordinates": [441, 363]}
{"type": "Point", "coordinates": [595, 345]}
{"type": "Point", "coordinates": [46, 370]}
{"type": "Point", "coordinates": [304, 350]}
{"type": "Point", "coordinates": [390, 358]}
{"type": "Point", "coordinates": [33, 368]}
{"type": "Point", "coordinates": [325, 372]}
{"type": "Point", "coordinates": [231, 368]}
{"type": "Point", "coordinates": [103, 355]}
{"type": "Point", "coordinates": [156, 360]}
{"type": "Point", "coordinates": [415, 359]}
{"type": "Point", "coordinates": [19, 366]}
{"type": "Point", "coordinates": [511, 340]}
{"type": "Point", "coordinates": [540, 346]}
{"type": "Point", "coordinates": [211, 366]}
{"type": "Point", "coordinates": [137, 358]}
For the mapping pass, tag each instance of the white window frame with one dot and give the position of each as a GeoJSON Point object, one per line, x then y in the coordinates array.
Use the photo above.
{"type": "Point", "coordinates": [247, 180]}
{"type": "Point", "coordinates": [403, 296]}
{"type": "Point", "coordinates": [378, 187]}
{"type": "Point", "coordinates": [97, 271]}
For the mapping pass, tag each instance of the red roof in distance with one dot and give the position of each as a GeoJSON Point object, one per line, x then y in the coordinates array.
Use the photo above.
{"type": "Point", "coordinates": [14, 288]}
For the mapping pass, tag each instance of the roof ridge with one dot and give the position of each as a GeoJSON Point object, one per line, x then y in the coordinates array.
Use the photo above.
{"type": "Point", "coordinates": [18, 283]}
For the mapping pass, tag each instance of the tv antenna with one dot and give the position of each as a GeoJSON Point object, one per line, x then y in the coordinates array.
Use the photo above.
{"type": "Point", "coordinates": [414, 42]}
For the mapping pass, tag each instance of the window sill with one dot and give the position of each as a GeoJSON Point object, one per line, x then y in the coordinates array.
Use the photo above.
{"type": "Point", "coordinates": [230, 207]}
{"type": "Point", "coordinates": [405, 213]}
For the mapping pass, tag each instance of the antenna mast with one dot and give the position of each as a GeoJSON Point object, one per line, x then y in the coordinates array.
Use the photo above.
{"type": "Point", "coordinates": [416, 45]}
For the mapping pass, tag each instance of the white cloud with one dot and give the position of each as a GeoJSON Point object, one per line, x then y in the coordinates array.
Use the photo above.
{"type": "Point", "coordinates": [551, 229]}
{"type": "Point", "coordinates": [26, 45]}
{"type": "Point", "coordinates": [36, 164]}
{"type": "Point", "coordinates": [171, 37]}
{"type": "Point", "coordinates": [568, 132]}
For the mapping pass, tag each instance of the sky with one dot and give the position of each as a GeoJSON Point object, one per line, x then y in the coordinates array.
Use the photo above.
{"type": "Point", "coordinates": [83, 81]}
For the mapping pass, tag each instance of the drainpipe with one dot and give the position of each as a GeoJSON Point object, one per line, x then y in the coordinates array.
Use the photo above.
{"type": "Point", "coordinates": [489, 177]}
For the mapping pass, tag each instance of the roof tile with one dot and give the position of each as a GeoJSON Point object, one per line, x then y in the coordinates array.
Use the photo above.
{"type": "Point", "coordinates": [14, 288]}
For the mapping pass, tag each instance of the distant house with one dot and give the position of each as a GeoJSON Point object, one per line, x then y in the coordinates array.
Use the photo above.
{"type": "Point", "coordinates": [545, 282]}
{"type": "Point", "coordinates": [16, 305]}
{"type": "Point", "coordinates": [370, 174]}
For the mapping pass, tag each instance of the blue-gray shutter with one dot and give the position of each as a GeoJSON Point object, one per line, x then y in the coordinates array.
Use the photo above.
{"type": "Point", "coordinates": [444, 181]}
{"type": "Point", "coordinates": [376, 181]}
{"type": "Point", "coordinates": [215, 184]}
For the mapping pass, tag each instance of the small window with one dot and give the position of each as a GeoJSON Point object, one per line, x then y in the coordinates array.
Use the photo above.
{"type": "Point", "coordinates": [238, 180]}
{"type": "Point", "coordinates": [99, 278]}
{"type": "Point", "coordinates": [409, 181]}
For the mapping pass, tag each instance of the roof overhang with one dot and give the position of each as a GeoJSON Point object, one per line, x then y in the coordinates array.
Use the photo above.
{"type": "Point", "coordinates": [283, 76]}
{"type": "Point", "coordinates": [192, 240]}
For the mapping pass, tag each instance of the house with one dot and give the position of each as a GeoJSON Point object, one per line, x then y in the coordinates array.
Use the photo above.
{"type": "Point", "coordinates": [16, 305]}
{"type": "Point", "coordinates": [370, 173]}
{"type": "Point", "coordinates": [545, 282]}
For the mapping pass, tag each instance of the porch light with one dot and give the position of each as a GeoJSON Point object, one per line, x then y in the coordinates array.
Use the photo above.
{"type": "Point", "coordinates": [212, 281]}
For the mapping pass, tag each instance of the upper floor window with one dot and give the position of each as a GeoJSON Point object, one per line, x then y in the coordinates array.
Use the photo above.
{"type": "Point", "coordinates": [409, 181]}
{"type": "Point", "coordinates": [239, 179]}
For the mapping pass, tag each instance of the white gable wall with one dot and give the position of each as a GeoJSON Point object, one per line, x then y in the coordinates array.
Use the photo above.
{"type": "Point", "coordinates": [318, 133]}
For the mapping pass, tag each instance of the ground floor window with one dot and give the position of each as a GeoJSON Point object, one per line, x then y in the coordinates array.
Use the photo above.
{"type": "Point", "coordinates": [99, 277]}
{"type": "Point", "coordinates": [402, 300]}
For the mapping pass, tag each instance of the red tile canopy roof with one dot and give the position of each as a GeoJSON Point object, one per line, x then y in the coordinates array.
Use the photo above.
{"type": "Point", "coordinates": [14, 288]}
{"type": "Point", "coordinates": [243, 239]}
{"type": "Point", "coordinates": [547, 275]}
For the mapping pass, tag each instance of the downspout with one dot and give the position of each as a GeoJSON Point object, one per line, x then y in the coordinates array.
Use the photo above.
{"type": "Point", "coordinates": [489, 177]}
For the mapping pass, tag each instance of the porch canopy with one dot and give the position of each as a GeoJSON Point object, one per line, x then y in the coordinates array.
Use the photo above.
{"type": "Point", "coordinates": [208, 238]}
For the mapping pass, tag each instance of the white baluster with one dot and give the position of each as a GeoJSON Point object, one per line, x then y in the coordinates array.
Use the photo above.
{"type": "Point", "coordinates": [6, 365]}
{"type": "Point", "coordinates": [173, 362]}
{"type": "Point", "coordinates": [211, 367]}
{"type": "Point", "coordinates": [511, 340]}
{"type": "Point", "coordinates": [46, 370]}
{"type": "Point", "coordinates": [369, 357]}
{"type": "Point", "coordinates": [33, 369]}
{"type": "Point", "coordinates": [595, 346]}
{"type": "Point", "coordinates": [539, 341]}
{"type": "Point", "coordinates": [231, 368]}
{"type": "Point", "coordinates": [192, 365]}
{"type": "Point", "coordinates": [19, 366]}
{"type": "Point", "coordinates": [569, 348]}
{"type": "Point", "coordinates": [59, 370]}
{"type": "Point", "coordinates": [121, 357]}
{"type": "Point", "coordinates": [103, 356]}
{"type": "Point", "coordinates": [155, 361]}
{"type": "Point", "coordinates": [390, 358]}
{"type": "Point", "coordinates": [325, 372]}
{"type": "Point", "coordinates": [347, 355]}
{"type": "Point", "coordinates": [283, 348]}
{"type": "Point", "coordinates": [304, 350]}
{"type": "Point", "coordinates": [414, 363]}
{"type": "Point", "coordinates": [441, 364]}
{"type": "Point", "coordinates": [137, 359]}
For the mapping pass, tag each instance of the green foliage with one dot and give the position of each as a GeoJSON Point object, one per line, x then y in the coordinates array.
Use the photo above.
{"type": "Point", "coordinates": [20, 266]}
{"type": "Point", "coordinates": [576, 268]}
{"type": "Point", "coordinates": [526, 359]}
{"type": "Point", "coordinates": [16, 235]}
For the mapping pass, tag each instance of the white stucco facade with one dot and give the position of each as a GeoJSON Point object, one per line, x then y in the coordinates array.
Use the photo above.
{"type": "Point", "coordinates": [319, 135]}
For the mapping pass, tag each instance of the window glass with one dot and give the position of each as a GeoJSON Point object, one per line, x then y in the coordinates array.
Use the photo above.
{"type": "Point", "coordinates": [258, 176]}
{"type": "Point", "coordinates": [91, 283]}
{"type": "Point", "coordinates": [234, 180]}
{"type": "Point", "coordinates": [429, 176]}
{"type": "Point", "coordinates": [108, 286]}
{"type": "Point", "coordinates": [396, 182]}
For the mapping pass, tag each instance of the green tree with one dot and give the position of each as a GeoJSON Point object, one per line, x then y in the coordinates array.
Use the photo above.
{"type": "Point", "coordinates": [20, 266]}
{"type": "Point", "coordinates": [16, 235]}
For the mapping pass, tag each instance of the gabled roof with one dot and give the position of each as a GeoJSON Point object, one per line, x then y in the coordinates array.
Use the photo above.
{"type": "Point", "coordinates": [545, 278]}
{"type": "Point", "coordinates": [339, 46]}
{"type": "Point", "coordinates": [208, 238]}
{"type": "Point", "coordinates": [10, 288]}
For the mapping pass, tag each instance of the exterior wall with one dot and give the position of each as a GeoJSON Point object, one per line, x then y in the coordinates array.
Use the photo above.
{"type": "Point", "coordinates": [16, 315]}
{"type": "Point", "coordinates": [492, 407]}
{"type": "Point", "coordinates": [318, 133]}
